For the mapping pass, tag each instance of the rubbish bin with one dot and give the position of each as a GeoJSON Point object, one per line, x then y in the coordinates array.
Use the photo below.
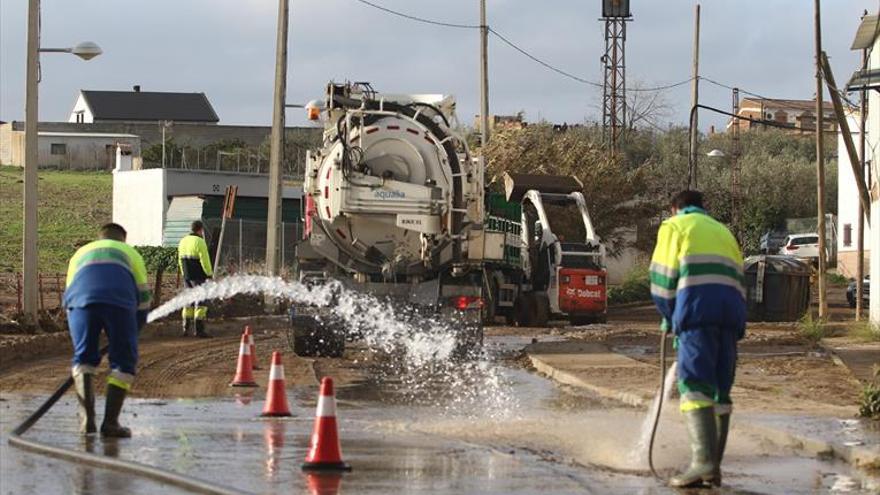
{"type": "Point", "coordinates": [777, 288]}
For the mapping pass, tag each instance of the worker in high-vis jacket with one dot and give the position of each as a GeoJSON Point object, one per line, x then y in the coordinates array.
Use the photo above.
{"type": "Point", "coordinates": [106, 290]}
{"type": "Point", "coordinates": [195, 267]}
{"type": "Point", "coordinates": [697, 285]}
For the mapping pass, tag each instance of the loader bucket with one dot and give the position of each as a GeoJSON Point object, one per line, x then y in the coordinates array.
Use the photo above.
{"type": "Point", "coordinates": [516, 185]}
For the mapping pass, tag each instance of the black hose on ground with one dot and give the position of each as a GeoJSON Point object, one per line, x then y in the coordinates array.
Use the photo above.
{"type": "Point", "coordinates": [158, 474]}
{"type": "Point", "coordinates": [659, 405]}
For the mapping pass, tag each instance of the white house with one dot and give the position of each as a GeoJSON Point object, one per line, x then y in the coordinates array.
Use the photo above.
{"type": "Point", "coordinates": [848, 203]}
{"type": "Point", "coordinates": [869, 79]}
{"type": "Point", "coordinates": [136, 106]}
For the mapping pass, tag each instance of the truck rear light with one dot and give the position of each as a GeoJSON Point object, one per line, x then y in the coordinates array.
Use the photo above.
{"type": "Point", "coordinates": [467, 302]}
{"type": "Point", "coordinates": [791, 248]}
{"type": "Point", "coordinates": [566, 279]}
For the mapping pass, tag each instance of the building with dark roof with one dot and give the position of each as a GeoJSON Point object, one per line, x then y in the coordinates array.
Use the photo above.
{"type": "Point", "coordinates": [95, 107]}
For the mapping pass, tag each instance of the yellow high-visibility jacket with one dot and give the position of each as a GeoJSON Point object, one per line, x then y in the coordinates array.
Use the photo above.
{"type": "Point", "coordinates": [697, 274]}
{"type": "Point", "coordinates": [193, 259]}
{"type": "Point", "coordinates": [107, 272]}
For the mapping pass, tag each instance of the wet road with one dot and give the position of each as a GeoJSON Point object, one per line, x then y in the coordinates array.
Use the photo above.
{"type": "Point", "coordinates": [500, 437]}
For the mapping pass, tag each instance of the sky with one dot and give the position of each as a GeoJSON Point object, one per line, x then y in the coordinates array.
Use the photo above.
{"type": "Point", "coordinates": [226, 49]}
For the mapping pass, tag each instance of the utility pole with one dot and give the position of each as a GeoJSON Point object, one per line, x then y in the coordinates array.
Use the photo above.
{"type": "Point", "coordinates": [29, 250]}
{"type": "Point", "coordinates": [860, 234]}
{"type": "Point", "coordinates": [276, 150]}
{"type": "Point", "coordinates": [695, 100]}
{"type": "Point", "coordinates": [820, 162]}
{"type": "Point", "coordinates": [734, 169]}
{"type": "Point", "coordinates": [484, 83]}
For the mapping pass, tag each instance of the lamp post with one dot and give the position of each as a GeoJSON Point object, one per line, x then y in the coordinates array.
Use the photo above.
{"type": "Point", "coordinates": [86, 51]}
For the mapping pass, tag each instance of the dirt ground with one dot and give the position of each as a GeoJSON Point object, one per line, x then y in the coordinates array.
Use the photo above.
{"type": "Point", "coordinates": [170, 365]}
{"type": "Point", "coordinates": [778, 368]}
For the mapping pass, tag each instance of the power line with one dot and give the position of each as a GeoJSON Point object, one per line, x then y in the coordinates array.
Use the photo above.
{"type": "Point", "coordinates": [516, 47]}
{"type": "Point", "coordinates": [419, 19]}
{"type": "Point", "coordinates": [541, 62]}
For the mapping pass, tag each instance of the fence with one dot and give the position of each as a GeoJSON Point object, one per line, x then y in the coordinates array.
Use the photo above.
{"type": "Point", "coordinates": [244, 245]}
{"type": "Point", "coordinates": [51, 289]}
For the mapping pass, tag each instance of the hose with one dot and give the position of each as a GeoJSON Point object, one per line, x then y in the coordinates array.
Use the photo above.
{"type": "Point", "coordinates": [162, 475]}
{"type": "Point", "coordinates": [659, 405]}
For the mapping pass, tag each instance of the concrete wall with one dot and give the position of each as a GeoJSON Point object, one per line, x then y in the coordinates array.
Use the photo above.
{"type": "Point", "coordinates": [141, 197]}
{"type": "Point", "coordinates": [873, 137]}
{"type": "Point", "coordinates": [848, 204]}
{"type": "Point", "coordinates": [195, 135]}
{"type": "Point", "coordinates": [139, 205]}
{"type": "Point", "coordinates": [84, 151]}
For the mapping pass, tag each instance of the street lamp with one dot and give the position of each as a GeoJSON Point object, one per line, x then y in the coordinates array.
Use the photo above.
{"type": "Point", "coordinates": [86, 51]}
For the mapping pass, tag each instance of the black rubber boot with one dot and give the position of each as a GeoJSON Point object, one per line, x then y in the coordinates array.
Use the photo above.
{"type": "Point", "coordinates": [723, 425]}
{"type": "Point", "coordinates": [200, 330]}
{"type": "Point", "coordinates": [111, 428]}
{"type": "Point", "coordinates": [704, 449]}
{"type": "Point", "coordinates": [187, 326]}
{"type": "Point", "coordinates": [84, 384]}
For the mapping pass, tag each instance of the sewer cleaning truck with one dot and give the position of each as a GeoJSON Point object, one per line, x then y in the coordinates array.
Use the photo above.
{"type": "Point", "coordinates": [395, 206]}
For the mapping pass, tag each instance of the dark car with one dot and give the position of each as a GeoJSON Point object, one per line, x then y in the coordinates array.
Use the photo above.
{"type": "Point", "coordinates": [772, 241]}
{"type": "Point", "coordinates": [851, 292]}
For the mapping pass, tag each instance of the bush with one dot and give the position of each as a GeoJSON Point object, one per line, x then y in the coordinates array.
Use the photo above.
{"type": "Point", "coordinates": [836, 279]}
{"type": "Point", "coordinates": [635, 287]}
{"type": "Point", "coordinates": [865, 331]}
{"type": "Point", "coordinates": [812, 329]}
{"type": "Point", "coordinates": [870, 401]}
{"type": "Point", "coordinates": [158, 260]}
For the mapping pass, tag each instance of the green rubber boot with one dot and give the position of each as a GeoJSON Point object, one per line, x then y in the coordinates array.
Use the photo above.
{"type": "Point", "coordinates": [723, 425]}
{"type": "Point", "coordinates": [84, 384]}
{"type": "Point", "coordinates": [200, 330]}
{"type": "Point", "coordinates": [111, 428]}
{"type": "Point", "coordinates": [704, 449]}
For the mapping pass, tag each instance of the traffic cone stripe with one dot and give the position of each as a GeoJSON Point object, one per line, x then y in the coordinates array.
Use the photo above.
{"type": "Point", "coordinates": [277, 372]}
{"type": "Point", "coordinates": [276, 395]}
{"type": "Point", "coordinates": [326, 407]}
{"type": "Point", "coordinates": [244, 374]}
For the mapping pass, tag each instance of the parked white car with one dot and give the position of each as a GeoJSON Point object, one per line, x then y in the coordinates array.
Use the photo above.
{"type": "Point", "coordinates": [801, 245]}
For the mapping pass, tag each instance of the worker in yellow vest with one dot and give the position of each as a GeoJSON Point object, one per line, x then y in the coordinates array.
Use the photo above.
{"type": "Point", "coordinates": [195, 267]}
{"type": "Point", "coordinates": [106, 290]}
{"type": "Point", "coordinates": [697, 286]}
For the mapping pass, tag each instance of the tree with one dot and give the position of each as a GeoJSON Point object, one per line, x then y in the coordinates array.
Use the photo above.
{"type": "Point", "coordinates": [158, 259]}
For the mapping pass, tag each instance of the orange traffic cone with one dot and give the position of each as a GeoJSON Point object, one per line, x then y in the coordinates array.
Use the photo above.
{"type": "Point", "coordinates": [324, 451]}
{"type": "Point", "coordinates": [276, 396]}
{"type": "Point", "coordinates": [247, 331]}
{"type": "Point", "coordinates": [244, 373]}
{"type": "Point", "coordinates": [324, 483]}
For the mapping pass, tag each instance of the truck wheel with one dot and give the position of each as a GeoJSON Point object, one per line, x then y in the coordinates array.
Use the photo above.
{"type": "Point", "coordinates": [468, 343]}
{"type": "Point", "coordinates": [541, 310]}
{"type": "Point", "coordinates": [312, 338]}
{"type": "Point", "coordinates": [522, 310]}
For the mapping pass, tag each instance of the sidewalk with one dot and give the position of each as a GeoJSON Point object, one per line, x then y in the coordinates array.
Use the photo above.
{"type": "Point", "coordinates": [611, 375]}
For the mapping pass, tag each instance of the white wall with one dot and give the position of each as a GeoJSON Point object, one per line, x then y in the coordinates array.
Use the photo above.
{"type": "Point", "coordinates": [139, 205]}
{"type": "Point", "coordinates": [848, 201]}
{"type": "Point", "coordinates": [81, 107]}
{"type": "Point", "coordinates": [873, 137]}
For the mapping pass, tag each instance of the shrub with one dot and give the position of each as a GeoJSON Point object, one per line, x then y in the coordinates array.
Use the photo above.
{"type": "Point", "coordinates": [635, 287]}
{"type": "Point", "coordinates": [158, 260]}
{"type": "Point", "coordinates": [870, 401]}
{"type": "Point", "coordinates": [811, 329]}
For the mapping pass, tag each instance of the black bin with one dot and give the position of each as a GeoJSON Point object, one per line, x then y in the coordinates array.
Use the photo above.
{"type": "Point", "coordinates": [777, 288]}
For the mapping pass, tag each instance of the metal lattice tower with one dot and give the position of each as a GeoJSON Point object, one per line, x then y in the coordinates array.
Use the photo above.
{"type": "Point", "coordinates": [614, 87]}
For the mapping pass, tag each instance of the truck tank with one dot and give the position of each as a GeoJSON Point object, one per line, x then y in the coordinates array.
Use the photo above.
{"type": "Point", "coordinates": [393, 192]}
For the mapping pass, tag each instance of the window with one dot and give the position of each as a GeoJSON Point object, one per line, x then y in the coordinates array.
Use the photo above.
{"type": "Point", "coordinates": [803, 241]}
{"type": "Point", "coordinates": [847, 234]}
{"type": "Point", "coordinates": [58, 149]}
{"type": "Point", "coordinates": [80, 118]}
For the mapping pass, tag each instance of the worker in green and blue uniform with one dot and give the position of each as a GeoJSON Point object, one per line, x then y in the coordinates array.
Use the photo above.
{"type": "Point", "coordinates": [697, 286]}
{"type": "Point", "coordinates": [195, 267]}
{"type": "Point", "coordinates": [106, 290]}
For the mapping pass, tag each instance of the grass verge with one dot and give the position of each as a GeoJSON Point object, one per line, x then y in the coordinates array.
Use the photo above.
{"type": "Point", "coordinates": [72, 205]}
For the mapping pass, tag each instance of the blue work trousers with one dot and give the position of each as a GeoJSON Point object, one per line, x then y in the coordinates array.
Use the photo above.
{"type": "Point", "coordinates": [121, 326]}
{"type": "Point", "coordinates": [706, 367]}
